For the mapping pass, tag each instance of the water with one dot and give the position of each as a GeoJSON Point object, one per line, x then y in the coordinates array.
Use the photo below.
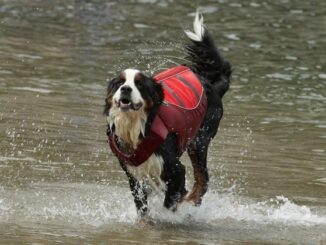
{"type": "Point", "coordinates": [59, 183]}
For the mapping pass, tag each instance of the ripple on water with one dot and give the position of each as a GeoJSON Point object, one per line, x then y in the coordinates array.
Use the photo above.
{"type": "Point", "coordinates": [142, 26]}
{"type": "Point", "coordinates": [255, 45]}
{"type": "Point", "coordinates": [6, 72]}
{"type": "Point", "coordinates": [36, 90]}
{"type": "Point", "coordinates": [209, 9]}
{"type": "Point", "coordinates": [29, 56]}
{"type": "Point", "coordinates": [232, 36]}
{"type": "Point", "coordinates": [322, 76]}
{"type": "Point", "coordinates": [280, 76]}
{"type": "Point", "coordinates": [289, 57]}
{"type": "Point", "coordinates": [20, 159]}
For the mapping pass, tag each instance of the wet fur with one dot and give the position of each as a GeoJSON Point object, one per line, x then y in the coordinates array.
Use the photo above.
{"type": "Point", "coordinates": [214, 73]}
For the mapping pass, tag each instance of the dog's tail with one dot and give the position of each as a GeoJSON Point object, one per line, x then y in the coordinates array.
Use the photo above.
{"type": "Point", "coordinates": [205, 57]}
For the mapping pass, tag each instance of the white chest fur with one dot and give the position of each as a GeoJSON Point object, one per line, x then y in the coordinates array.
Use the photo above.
{"type": "Point", "coordinates": [150, 171]}
{"type": "Point", "coordinates": [128, 126]}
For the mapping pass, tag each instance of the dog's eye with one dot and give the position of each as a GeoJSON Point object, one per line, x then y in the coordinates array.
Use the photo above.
{"type": "Point", "coordinates": [120, 82]}
{"type": "Point", "coordinates": [139, 83]}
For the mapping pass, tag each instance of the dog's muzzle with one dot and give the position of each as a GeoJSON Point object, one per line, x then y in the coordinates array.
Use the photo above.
{"type": "Point", "coordinates": [125, 104]}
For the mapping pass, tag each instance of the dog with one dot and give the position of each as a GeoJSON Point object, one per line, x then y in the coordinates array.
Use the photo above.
{"type": "Point", "coordinates": [152, 120]}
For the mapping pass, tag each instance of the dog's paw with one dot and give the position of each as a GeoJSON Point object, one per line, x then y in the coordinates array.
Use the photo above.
{"type": "Point", "coordinates": [193, 199]}
{"type": "Point", "coordinates": [144, 221]}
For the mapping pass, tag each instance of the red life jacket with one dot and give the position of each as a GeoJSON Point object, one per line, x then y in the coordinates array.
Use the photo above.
{"type": "Point", "coordinates": [181, 112]}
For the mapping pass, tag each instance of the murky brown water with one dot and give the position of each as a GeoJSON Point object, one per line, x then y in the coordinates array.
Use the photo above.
{"type": "Point", "coordinates": [60, 184]}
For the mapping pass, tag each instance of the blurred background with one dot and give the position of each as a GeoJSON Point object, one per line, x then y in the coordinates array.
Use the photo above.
{"type": "Point", "coordinates": [59, 182]}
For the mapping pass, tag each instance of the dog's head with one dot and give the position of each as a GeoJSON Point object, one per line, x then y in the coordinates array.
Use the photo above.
{"type": "Point", "coordinates": [132, 91]}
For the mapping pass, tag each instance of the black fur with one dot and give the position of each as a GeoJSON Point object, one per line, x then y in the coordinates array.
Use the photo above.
{"type": "Point", "coordinates": [151, 91]}
{"type": "Point", "coordinates": [207, 62]}
{"type": "Point", "coordinates": [215, 73]}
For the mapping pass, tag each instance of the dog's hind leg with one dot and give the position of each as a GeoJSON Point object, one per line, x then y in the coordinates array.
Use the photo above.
{"type": "Point", "coordinates": [197, 152]}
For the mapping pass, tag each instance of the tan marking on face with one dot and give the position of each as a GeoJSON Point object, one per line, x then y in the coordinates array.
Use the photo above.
{"type": "Point", "coordinates": [137, 77]}
{"type": "Point", "coordinates": [149, 105]}
{"type": "Point", "coordinates": [122, 76]}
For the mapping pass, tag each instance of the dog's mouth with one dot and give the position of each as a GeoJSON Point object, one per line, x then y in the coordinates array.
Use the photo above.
{"type": "Point", "coordinates": [126, 104]}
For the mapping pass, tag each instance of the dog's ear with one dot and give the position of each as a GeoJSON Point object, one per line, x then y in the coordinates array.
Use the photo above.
{"type": "Point", "coordinates": [111, 84]}
{"type": "Point", "coordinates": [107, 107]}
{"type": "Point", "coordinates": [109, 95]}
{"type": "Point", "coordinates": [159, 92]}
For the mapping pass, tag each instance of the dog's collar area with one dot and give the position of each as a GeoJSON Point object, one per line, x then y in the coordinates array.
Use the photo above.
{"type": "Point", "coordinates": [150, 144]}
{"type": "Point", "coordinates": [144, 150]}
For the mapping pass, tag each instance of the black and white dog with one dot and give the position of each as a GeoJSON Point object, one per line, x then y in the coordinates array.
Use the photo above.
{"type": "Point", "coordinates": [141, 121]}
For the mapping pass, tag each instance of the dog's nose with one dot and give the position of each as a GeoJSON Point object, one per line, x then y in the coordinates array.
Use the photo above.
{"type": "Point", "coordinates": [126, 89]}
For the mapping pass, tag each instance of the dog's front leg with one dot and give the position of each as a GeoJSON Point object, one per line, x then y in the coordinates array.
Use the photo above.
{"type": "Point", "coordinates": [173, 174]}
{"type": "Point", "coordinates": [175, 181]}
{"type": "Point", "coordinates": [140, 196]}
{"type": "Point", "coordinates": [138, 191]}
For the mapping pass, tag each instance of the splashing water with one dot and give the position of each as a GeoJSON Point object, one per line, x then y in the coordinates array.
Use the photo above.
{"type": "Point", "coordinates": [97, 205]}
